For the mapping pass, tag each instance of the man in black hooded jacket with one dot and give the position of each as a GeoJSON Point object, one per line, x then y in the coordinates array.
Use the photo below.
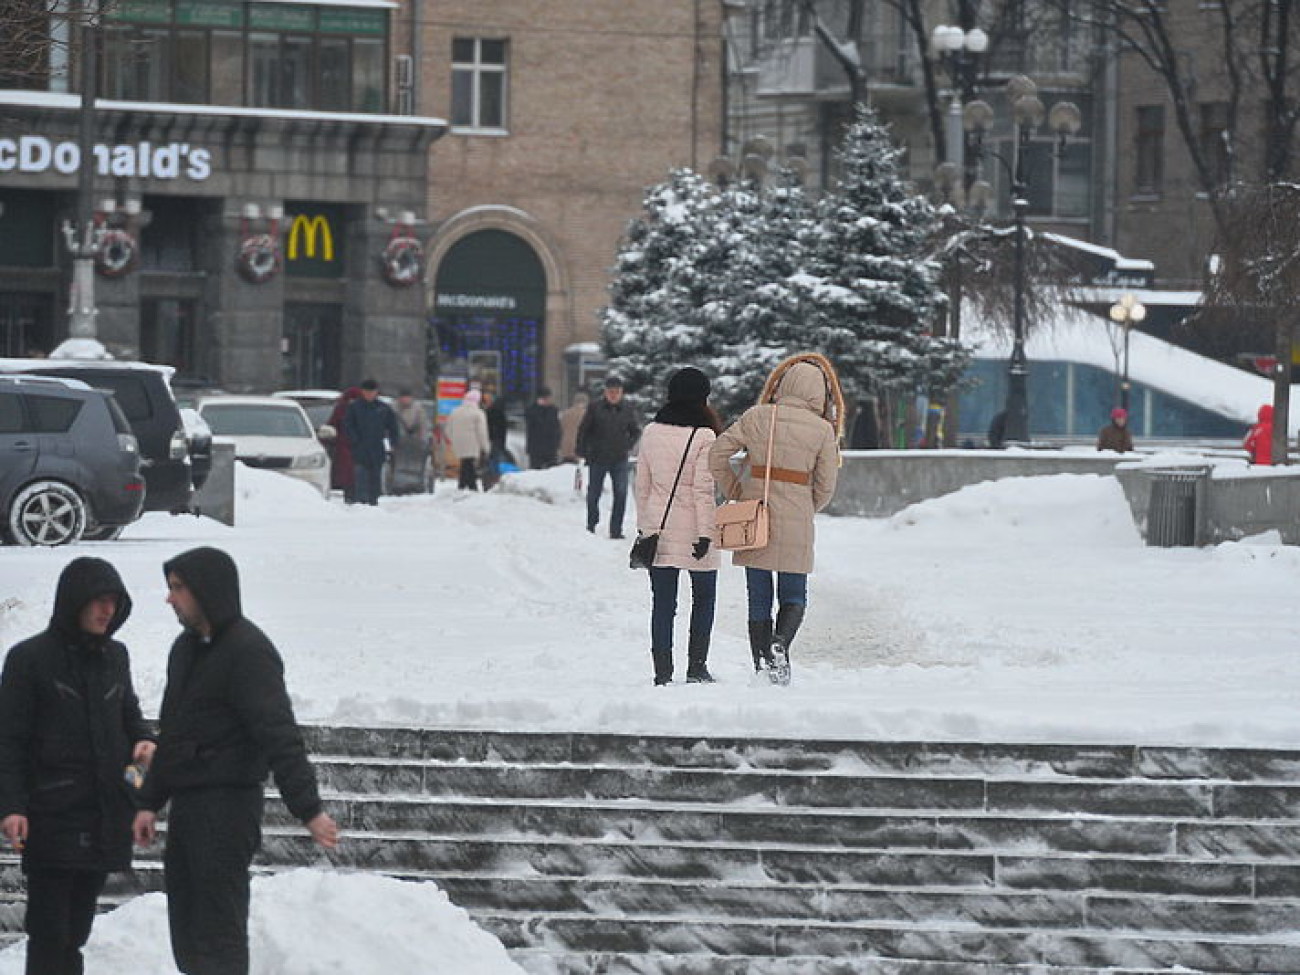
{"type": "Point", "coordinates": [69, 725]}
{"type": "Point", "coordinates": [226, 720]}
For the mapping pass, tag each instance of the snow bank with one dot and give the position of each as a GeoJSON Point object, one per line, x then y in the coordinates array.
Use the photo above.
{"type": "Point", "coordinates": [311, 922]}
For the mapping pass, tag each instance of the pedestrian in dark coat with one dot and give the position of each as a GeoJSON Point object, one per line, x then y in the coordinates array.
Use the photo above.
{"type": "Point", "coordinates": [343, 474]}
{"type": "Point", "coordinates": [70, 724]}
{"type": "Point", "coordinates": [542, 432]}
{"type": "Point", "coordinates": [608, 432]}
{"type": "Point", "coordinates": [372, 431]}
{"type": "Point", "coordinates": [226, 720]}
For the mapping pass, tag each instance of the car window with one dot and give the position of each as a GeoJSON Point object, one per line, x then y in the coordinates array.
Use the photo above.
{"type": "Point", "coordinates": [120, 424]}
{"type": "Point", "coordinates": [131, 395]}
{"type": "Point", "coordinates": [251, 420]}
{"type": "Point", "coordinates": [11, 413]}
{"type": "Point", "coordinates": [52, 414]}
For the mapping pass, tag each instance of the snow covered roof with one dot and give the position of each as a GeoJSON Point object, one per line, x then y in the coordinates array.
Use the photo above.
{"type": "Point", "coordinates": [1075, 336]}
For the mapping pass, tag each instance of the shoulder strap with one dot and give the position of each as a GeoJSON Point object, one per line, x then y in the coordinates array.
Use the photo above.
{"type": "Point", "coordinates": [680, 467]}
{"type": "Point", "coordinates": [767, 467]}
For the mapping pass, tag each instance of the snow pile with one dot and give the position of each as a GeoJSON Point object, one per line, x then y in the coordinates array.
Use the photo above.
{"type": "Point", "coordinates": [360, 924]}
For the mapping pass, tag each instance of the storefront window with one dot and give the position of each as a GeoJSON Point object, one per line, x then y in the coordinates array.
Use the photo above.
{"type": "Point", "coordinates": [334, 94]}
{"type": "Point", "coordinates": [227, 68]}
{"type": "Point", "coordinates": [270, 55]}
{"type": "Point", "coordinates": [191, 77]}
{"type": "Point", "coordinates": [368, 75]}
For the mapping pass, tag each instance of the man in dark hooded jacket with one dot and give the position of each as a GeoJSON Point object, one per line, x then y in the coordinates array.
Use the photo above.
{"type": "Point", "coordinates": [226, 720]}
{"type": "Point", "coordinates": [70, 724]}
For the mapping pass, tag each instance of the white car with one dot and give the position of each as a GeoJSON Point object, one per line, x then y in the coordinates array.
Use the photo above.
{"type": "Point", "coordinates": [270, 433]}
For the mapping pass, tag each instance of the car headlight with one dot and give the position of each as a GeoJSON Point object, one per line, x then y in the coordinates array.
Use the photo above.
{"type": "Point", "coordinates": [310, 462]}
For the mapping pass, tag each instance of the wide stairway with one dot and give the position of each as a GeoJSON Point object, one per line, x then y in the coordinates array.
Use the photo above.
{"type": "Point", "coordinates": [655, 854]}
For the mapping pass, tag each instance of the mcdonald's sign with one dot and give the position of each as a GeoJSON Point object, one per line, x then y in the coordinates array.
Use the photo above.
{"type": "Point", "coordinates": [313, 244]}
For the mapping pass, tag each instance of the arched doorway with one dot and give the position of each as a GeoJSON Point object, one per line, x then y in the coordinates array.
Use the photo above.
{"type": "Point", "coordinates": [489, 315]}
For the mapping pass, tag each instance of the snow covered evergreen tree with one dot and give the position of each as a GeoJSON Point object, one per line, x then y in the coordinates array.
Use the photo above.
{"type": "Point", "coordinates": [870, 296]}
{"type": "Point", "coordinates": [734, 280]}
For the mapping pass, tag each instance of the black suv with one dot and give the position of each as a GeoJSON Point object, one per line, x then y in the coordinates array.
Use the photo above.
{"type": "Point", "coordinates": [143, 391]}
{"type": "Point", "coordinates": [69, 463]}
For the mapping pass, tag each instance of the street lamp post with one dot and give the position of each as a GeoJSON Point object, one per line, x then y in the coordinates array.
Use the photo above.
{"type": "Point", "coordinates": [1028, 114]}
{"type": "Point", "coordinates": [1126, 312]}
{"type": "Point", "coordinates": [959, 48]}
{"type": "Point", "coordinates": [85, 234]}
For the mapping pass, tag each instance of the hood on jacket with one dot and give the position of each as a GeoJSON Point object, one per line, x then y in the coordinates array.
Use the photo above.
{"type": "Point", "coordinates": [212, 577]}
{"type": "Point", "coordinates": [802, 385]}
{"type": "Point", "coordinates": [1266, 414]}
{"type": "Point", "coordinates": [82, 580]}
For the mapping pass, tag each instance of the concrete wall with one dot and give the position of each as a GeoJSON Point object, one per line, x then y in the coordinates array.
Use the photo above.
{"type": "Point", "coordinates": [879, 483]}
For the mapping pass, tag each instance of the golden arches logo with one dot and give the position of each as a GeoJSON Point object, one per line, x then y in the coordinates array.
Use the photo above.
{"type": "Point", "coordinates": [311, 228]}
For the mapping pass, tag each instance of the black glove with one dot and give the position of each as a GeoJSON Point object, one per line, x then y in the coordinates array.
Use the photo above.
{"type": "Point", "coordinates": [701, 547]}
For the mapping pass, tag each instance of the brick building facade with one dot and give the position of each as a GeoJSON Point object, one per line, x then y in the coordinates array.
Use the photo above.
{"type": "Point", "coordinates": [558, 121]}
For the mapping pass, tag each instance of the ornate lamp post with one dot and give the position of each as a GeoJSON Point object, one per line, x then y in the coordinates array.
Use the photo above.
{"type": "Point", "coordinates": [1126, 312]}
{"type": "Point", "coordinates": [959, 49]}
{"type": "Point", "coordinates": [1028, 114]}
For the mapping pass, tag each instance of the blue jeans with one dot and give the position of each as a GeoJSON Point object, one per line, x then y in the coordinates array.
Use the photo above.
{"type": "Point", "coordinates": [368, 480]}
{"type": "Point", "coordinates": [791, 587]}
{"type": "Point", "coordinates": [663, 586]}
{"type": "Point", "coordinates": [618, 478]}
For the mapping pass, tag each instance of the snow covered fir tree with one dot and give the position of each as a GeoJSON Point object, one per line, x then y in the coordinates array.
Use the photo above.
{"type": "Point", "coordinates": [734, 278]}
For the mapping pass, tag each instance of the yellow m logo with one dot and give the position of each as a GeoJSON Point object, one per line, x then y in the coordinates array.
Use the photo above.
{"type": "Point", "coordinates": [311, 227]}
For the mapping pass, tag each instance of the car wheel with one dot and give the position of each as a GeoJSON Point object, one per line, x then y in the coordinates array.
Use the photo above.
{"type": "Point", "coordinates": [103, 533]}
{"type": "Point", "coordinates": [47, 513]}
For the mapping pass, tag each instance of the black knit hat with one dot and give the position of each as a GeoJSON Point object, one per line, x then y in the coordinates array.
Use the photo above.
{"type": "Point", "coordinates": [688, 385]}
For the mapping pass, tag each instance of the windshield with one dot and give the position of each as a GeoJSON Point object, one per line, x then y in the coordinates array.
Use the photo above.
{"type": "Point", "coordinates": [255, 420]}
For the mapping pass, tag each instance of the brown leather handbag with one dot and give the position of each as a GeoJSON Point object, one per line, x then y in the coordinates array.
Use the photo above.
{"type": "Point", "coordinates": [745, 525]}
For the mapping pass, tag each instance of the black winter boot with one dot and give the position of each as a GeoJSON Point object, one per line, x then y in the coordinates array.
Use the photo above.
{"type": "Point", "coordinates": [663, 660]}
{"type": "Point", "coordinates": [789, 616]}
{"type": "Point", "coordinates": [697, 671]}
{"type": "Point", "coordinates": [760, 642]}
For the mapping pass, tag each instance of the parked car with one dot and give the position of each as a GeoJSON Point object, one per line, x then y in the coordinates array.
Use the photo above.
{"type": "Point", "coordinates": [69, 463]}
{"type": "Point", "coordinates": [318, 404]}
{"type": "Point", "coordinates": [171, 468]}
{"type": "Point", "coordinates": [270, 433]}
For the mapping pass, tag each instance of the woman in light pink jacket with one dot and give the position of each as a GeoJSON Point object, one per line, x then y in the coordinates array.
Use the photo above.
{"type": "Point", "coordinates": [679, 438]}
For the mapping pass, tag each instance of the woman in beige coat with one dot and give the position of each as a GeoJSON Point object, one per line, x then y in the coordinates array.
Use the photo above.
{"type": "Point", "coordinates": [467, 430]}
{"type": "Point", "coordinates": [679, 439]}
{"type": "Point", "coordinates": [803, 396]}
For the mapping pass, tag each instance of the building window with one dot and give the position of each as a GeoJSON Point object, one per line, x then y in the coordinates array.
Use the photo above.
{"type": "Point", "coordinates": [1213, 136]}
{"type": "Point", "coordinates": [478, 83]}
{"type": "Point", "coordinates": [1150, 155]}
{"type": "Point", "coordinates": [265, 55]}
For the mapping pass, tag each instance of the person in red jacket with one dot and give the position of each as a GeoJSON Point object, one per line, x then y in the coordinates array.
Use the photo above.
{"type": "Point", "coordinates": [1259, 440]}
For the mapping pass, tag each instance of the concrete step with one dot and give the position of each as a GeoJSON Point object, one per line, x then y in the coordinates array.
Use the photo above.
{"type": "Point", "coordinates": [624, 853]}
{"type": "Point", "coordinates": [870, 941]}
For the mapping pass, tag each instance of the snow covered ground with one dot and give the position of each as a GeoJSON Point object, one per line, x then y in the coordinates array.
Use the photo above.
{"type": "Point", "coordinates": [1025, 609]}
{"type": "Point", "coordinates": [1022, 610]}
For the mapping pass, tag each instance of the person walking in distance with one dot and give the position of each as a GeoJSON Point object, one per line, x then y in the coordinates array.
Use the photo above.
{"type": "Point", "coordinates": [225, 721]}
{"type": "Point", "coordinates": [467, 430]}
{"type": "Point", "coordinates": [675, 500]}
{"type": "Point", "coordinates": [1116, 435]}
{"type": "Point", "coordinates": [608, 432]}
{"type": "Point", "coordinates": [371, 427]}
{"type": "Point", "coordinates": [70, 725]}
{"type": "Point", "coordinates": [802, 398]}
{"type": "Point", "coordinates": [1259, 438]}
{"type": "Point", "coordinates": [542, 431]}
